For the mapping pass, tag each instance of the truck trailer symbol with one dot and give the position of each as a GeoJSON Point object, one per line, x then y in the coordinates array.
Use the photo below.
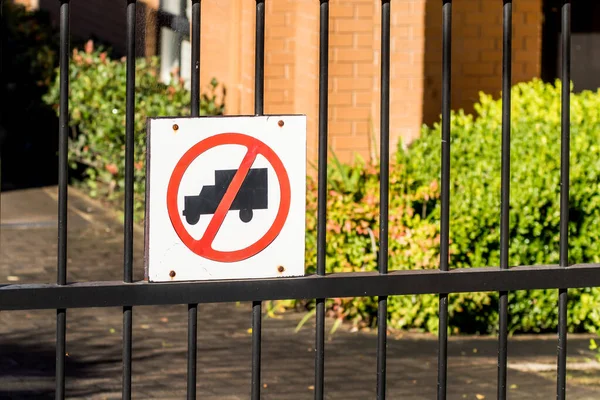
{"type": "Point", "coordinates": [252, 195]}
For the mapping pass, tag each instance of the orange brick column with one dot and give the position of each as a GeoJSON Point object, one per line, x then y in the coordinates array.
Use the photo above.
{"type": "Point", "coordinates": [306, 70]}
{"type": "Point", "coordinates": [407, 64]}
{"type": "Point", "coordinates": [351, 69]}
{"type": "Point", "coordinates": [477, 50]}
{"type": "Point", "coordinates": [292, 58]}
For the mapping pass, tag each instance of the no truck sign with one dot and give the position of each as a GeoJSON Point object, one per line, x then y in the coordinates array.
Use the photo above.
{"type": "Point", "coordinates": [226, 197]}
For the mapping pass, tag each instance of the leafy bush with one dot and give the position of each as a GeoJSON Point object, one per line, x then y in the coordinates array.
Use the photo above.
{"type": "Point", "coordinates": [535, 195]}
{"type": "Point", "coordinates": [352, 240]}
{"type": "Point", "coordinates": [97, 112]}
{"type": "Point", "coordinates": [353, 202]}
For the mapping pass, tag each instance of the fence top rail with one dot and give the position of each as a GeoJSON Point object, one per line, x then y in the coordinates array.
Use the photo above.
{"type": "Point", "coordinates": [406, 282]}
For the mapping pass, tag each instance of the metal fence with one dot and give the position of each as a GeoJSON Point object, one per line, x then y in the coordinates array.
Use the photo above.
{"type": "Point", "coordinates": [126, 293]}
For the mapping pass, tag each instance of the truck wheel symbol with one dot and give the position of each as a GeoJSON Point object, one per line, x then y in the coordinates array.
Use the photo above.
{"type": "Point", "coordinates": [246, 215]}
{"type": "Point", "coordinates": [253, 195]}
{"type": "Point", "coordinates": [192, 219]}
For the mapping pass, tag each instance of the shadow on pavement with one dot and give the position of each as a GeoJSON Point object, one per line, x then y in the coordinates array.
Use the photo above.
{"type": "Point", "coordinates": [27, 366]}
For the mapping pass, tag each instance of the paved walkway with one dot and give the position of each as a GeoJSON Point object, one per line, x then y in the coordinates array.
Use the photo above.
{"type": "Point", "coordinates": [27, 254]}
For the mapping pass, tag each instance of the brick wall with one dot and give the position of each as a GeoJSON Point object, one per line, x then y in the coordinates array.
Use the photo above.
{"type": "Point", "coordinates": [477, 50]}
{"type": "Point", "coordinates": [407, 46]}
{"type": "Point", "coordinates": [292, 58]}
{"type": "Point", "coordinates": [352, 84]}
{"type": "Point", "coordinates": [305, 69]}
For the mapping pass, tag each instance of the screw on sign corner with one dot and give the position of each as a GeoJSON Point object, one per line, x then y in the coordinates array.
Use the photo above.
{"type": "Point", "coordinates": [175, 127]}
{"type": "Point", "coordinates": [280, 269]}
{"type": "Point", "coordinates": [172, 274]}
{"type": "Point", "coordinates": [280, 123]}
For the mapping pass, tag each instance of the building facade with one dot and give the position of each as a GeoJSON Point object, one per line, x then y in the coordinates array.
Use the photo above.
{"type": "Point", "coordinates": [292, 57]}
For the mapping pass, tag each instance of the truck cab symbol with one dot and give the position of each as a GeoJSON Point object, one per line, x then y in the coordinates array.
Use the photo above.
{"type": "Point", "coordinates": [252, 195]}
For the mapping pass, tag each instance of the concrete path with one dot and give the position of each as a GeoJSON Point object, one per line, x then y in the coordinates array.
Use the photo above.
{"type": "Point", "coordinates": [28, 254]}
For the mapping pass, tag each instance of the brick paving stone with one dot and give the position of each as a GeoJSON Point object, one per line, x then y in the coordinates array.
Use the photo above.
{"type": "Point", "coordinates": [224, 344]}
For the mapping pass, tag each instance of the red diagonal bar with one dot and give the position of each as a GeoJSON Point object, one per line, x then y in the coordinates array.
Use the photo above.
{"type": "Point", "coordinates": [224, 206]}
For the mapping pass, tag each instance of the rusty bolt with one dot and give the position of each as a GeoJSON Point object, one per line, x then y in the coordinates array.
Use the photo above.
{"type": "Point", "coordinates": [175, 127]}
{"type": "Point", "coordinates": [280, 269]}
{"type": "Point", "coordinates": [280, 123]}
{"type": "Point", "coordinates": [172, 274]}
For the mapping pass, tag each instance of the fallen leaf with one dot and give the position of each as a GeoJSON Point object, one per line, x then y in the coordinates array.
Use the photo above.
{"type": "Point", "coordinates": [264, 385]}
{"type": "Point", "coordinates": [249, 330]}
{"type": "Point", "coordinates": [513, 386]}
{"type": "Point", "coordinates": [112, 330]}
{"type": "Point", "coordinates": [311, 387]}
{"type": "Point", "coordinates": [13, 278]}
{"type": "Point", "coordinates": [480, 396]}
{"type": "Point", "coordinates": [145, 326]}
{"type": "Point", "coordinates": [474, 350]}
{"type": "Point", "coordinates": [164, 319]}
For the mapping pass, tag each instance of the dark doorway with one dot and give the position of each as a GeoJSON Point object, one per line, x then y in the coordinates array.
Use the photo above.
{"type": "Point", "coordinates": [28, 140]}
{"type": "Point", "coordinates": [585, 43]}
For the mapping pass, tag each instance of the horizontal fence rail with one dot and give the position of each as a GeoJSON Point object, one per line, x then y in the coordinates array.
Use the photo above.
{"type": "Point", "coordinates": [321, 286]}
{"type": "Point", "coordinates": [109, 294]}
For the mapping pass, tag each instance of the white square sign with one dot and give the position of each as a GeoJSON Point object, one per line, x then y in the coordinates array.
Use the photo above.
{"type": "Point", "coordinates": [226, 197]}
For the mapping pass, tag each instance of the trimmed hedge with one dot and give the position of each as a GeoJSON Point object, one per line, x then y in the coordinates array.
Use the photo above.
{"type": "Point", "coordinates": [535, 195]}
{"type": "Point", "coordinates": [475, 213]}
{"type": "Point", "coordinates": [353, 236]}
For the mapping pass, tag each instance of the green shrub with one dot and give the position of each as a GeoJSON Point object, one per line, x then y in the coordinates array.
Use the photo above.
{"type": "Point", "coordinates": [352, 243]}
{"type": "Point", "coordinates": [97, 116]}
{"type": "Point", "coordinates": [353, 202]}
{"type": "Point", "coordinates": [535, 194]}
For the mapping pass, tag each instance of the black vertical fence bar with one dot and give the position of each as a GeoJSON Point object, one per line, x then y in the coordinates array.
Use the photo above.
{"type": "Point", "coordinates": [445, 194]}
{"type": "Point", "coordinates": [192, 356]}
{"type": "Point", "coordinates": [195, 78]}
{"type": "Point", "coordinates": [259, 87]}
{"type": "Point", "coordinates": [129, 141]}
{"type": "Point", "coordinates": [128, 223]}
{"type": "Point", "coordinates": [61, 314]}
{"type": "Point", "coordinates": [505, 193]}
{"type": "Point", "coordinates": [564, 195]}
{"type": "Point", "coordinates": [384, 187]}
{"type": "Point", "coordinates": [192, 350]}
{"type": "Point", "coordinates": [322, 194]}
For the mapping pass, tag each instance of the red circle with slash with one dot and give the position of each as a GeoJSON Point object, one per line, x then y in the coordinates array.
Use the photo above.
{"type": "Point", "coordinates": [203, 246]}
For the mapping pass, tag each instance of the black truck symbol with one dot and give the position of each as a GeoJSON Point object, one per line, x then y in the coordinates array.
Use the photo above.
{"type": "Point", "coordinates": [251, 196]}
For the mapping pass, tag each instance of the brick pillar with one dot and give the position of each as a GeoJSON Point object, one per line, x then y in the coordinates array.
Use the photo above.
{"type": "Point", "coordinates": [407, 65]}
{"type": "Point", "coordinates": [305, 70]}
{"type": "Point", "coordinates": [352, 68]}
{"type": "Point", "coordinates": [477, 50]}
